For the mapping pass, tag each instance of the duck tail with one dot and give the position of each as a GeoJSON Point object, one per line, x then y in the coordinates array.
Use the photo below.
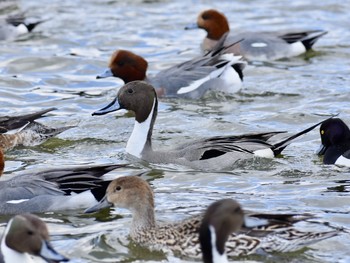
{"type": "Point", "coordinates": [17, 122]}
{"type": "Point", "coordinates": [31, 26]}
{"type": "Point", "coordinates": [277, 148]}
{"type": "Point", "coordinates": [311, 39]}
{"type": "Point", "coordinates": [307, 38]}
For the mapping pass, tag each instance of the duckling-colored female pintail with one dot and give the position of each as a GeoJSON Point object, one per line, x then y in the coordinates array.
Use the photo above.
{"type": "Point", "coordinates": [26, 240]}
{"type": "Point", "coordinates": [275, 233]}
{"type": "Point", "coordinates": [216, 153]}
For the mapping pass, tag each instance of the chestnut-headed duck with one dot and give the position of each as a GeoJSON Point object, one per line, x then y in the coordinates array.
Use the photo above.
{"type": "Point", "coordinates": [255, 45]}
{"type": "Point", "coordinates": [192, 79]}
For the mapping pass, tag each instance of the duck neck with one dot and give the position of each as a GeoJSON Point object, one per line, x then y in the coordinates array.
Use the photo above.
{"type": "Point", "coordinates": [141, 136]}
{"type": "Point", "coordinates": [143, 219]}
{"type": "Point", "coordinates": [215, 256]}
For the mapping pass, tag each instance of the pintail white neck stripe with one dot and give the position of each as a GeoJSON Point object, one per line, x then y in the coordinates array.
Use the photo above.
{"type": "Point", "coordinates": [9, 254]}
{"type": "Point", "coordinates": [138, 138]}
{"type": "Point", "coordinates": [217, 257]}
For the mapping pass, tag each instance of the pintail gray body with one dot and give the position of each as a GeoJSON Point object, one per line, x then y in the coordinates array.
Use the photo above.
{"type": "Point", "coordinates": [215, 153]}
{"type": "Point", "coordinates": [53, 190]}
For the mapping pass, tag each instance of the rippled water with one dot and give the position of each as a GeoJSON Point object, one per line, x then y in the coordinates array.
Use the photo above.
{"type": "Point", "coordinates": [57, 64]}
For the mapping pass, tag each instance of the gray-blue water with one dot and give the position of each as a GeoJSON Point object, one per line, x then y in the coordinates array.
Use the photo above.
{"type": "Point", "coordinates": [57, 64]}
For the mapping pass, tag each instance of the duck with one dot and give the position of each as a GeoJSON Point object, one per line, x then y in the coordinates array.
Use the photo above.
{"type": "Point", "coordinates": [56, 189]}
{"type": "Point", "coordinates": [192, 79]}
{"type": "Point", "coordinates": [24, 130]}
{"type": "Point", "coordinates": [209, 154]}
{"type": "Point", "coordinates": [255, 46]}
{"type": "Point", "coordinates": [15, 25]}
{"type": "Point", "coordinates": [26, 239]}
{"type": "Point", "coordinates": [272, 233]}
{"type": "Point", "coordinates": [335, 142]}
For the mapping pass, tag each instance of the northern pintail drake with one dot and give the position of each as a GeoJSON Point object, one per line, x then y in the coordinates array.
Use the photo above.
{"type": "Point", "coordinates": [273, 233]}
{"type": "Point", "coordinates": [335, 142]}
{"type": "Point", "coordinates": [192, 79]}
{"type": "Point", "coordinates": [255, 45]}
{"type": "Point", "coordinates": [54, 190]}
{"type": "Point", "coordinates": [15, 25]}
{"type": "Point", "coordinates": [24, 130]}
{"type": "Point", "coordinates": [215, 153]}
{"type": "Point", "coordinates": [26, 240]}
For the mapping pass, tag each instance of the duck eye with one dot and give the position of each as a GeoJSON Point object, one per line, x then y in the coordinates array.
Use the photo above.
{"type": "Point", "coordinates": [118, 188]}
{"type": "Point", "coordinates": [130, 91]}
{"type": "Point", "coordinates": [120, 63]}
{"type": "Point", "coordinates": [322, 132]}
{"type": "Point", "coordinates": [205, 16]}
{"type": "Point", "coordinates": [30, 233]}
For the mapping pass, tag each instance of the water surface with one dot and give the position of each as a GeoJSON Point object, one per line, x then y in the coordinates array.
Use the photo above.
{"type": "Point", "coordinates": [57, 64]}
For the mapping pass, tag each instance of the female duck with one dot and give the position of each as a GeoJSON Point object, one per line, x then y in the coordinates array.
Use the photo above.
{"type": "Point", "coordinates": [275, 232]}
{"type": "Point", "coordinates": [216, 153]}
{"type": "Point", "coordinates": [255, 45]}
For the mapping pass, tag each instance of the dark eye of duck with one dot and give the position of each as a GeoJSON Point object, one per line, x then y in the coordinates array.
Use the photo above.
{"type": "Point", "coordinates": [118, 188]}
{"type": "Point", "coordinates": [120, 63]}
{"type": "Point", "coordinates": [205, 16]}
{"type": "Point", "coordinates": [130, 91]}
{"type": "Point", "coordinates": [30, 233]}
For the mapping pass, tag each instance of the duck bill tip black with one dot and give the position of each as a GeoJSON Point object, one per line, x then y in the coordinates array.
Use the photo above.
{"type": "Point", "coordinates": [113, 106]}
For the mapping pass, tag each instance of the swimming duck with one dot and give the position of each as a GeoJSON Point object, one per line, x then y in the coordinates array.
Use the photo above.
{"type": "Point", "coordinates": [213, 71]}
{"type": "Point", "coordinates": [15, 25]}
{"type": "Point", "coordinates": [335, 142]}
{"type": "Point", "coordinates": [53, 190]}
{"type": "Point", "coordinates": [275, 232]}
{"type": "Point", "coordinates": [26, 239]}
{"type": "Point", "coordinates": [216, 153]}
{"type": "Point", "coordinates": [255, 45]}
{"type": "Point", "coordinates": [24, 130]}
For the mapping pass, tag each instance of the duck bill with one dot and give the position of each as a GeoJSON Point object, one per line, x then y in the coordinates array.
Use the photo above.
{"type": "Point", "coordinates": [321, 150]}
{"type": "Point", "coordinates": [49, 254]}
{"type": "Point", "coordinates": [101, 205]}
{"type": "Point", "coordinates": [108, 73]}
{"type": "Point", "coordinates": [191, 26]}
{"type": "Point", "coordinates": [113, 106]}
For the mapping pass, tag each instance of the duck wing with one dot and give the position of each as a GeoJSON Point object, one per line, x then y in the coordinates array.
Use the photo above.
{"type": "Point", "coordinates": [15, 122]}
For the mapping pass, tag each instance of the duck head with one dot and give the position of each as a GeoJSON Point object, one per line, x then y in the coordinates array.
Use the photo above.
{"type": "Point", "coordinates": [125, 65]}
